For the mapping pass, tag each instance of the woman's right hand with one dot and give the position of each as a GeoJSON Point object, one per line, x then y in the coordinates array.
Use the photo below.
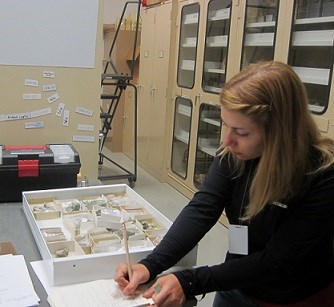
{"type": "Point", "coordinates": [140, 275]}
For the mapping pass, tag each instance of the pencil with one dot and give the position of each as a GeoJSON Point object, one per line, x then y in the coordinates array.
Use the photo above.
{"type": "Point", "coordinates": [127, 253]}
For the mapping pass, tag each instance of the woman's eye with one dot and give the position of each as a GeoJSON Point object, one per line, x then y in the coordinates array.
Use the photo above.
{"type": "Point", "coordinates": [242, 133]}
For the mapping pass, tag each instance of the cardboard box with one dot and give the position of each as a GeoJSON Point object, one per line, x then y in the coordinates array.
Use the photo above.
{"type": "Point", "coordinates": [26, 168]}
{"type": "Point", "coordinates": [84, 266]}
{"type": "Point", "coordinates": [7, 248]}
{"type": "Point", "coordinates": [153, 2]}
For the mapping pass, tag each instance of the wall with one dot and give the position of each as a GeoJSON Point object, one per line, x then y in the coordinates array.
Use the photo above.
{"type": "Point", "coordinates": [113, 10]}
{"type": "Point", "coordinates": [75, 86]}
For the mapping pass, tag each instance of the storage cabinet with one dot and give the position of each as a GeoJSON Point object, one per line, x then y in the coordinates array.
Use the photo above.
{"type": "Point", "coordinates": [201, 57]}
{"type": "Point", "coordinates": [213, 40]}
{"type": "Point", "coordinates": [152, 87]}
{"type": "Point", "coordinates": [218, 38]}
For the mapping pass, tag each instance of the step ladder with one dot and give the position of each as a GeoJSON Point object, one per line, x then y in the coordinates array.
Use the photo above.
{"type": "Point", "coordinates": [113, 84]}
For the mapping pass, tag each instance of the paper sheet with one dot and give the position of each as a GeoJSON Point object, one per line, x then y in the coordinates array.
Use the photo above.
{"type": "Point", "coordinates": [16, 288]}
{"type": "Point", "coordinates": [98, 293]}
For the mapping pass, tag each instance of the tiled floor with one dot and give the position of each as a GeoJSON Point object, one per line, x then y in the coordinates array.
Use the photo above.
{"type": "Point", "coordinates": [167, 200]}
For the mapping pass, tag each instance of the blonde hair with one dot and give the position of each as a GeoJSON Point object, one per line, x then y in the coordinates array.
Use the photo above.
{"type": "Point", "coordinates": [274, 96]}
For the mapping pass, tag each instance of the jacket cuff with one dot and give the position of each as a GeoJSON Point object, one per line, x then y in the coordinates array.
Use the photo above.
{"type": "Point", "coordinates": [186, 279]}
{"type": "Point", "coordinates": [151, 269]}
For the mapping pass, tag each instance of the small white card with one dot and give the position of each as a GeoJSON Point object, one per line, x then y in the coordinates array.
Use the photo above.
{"type": "Point", "coordinates": [15, 116]}
{"type": "Point", "coordinates": [49, 87]}
{"type": "Point", "coordinates": [82, 127]}
{"type": "Point", "coordinates": [53, 98]}
{"type": "Point", "coordinates": [49, 74]}
{"type": "Point", "coordinates": [32, 96]}
{"type": "Point", "coordinates": [238, 239]}
{"type": "Point", "coordinates": [40, 112]}
{"type": "Point", "coordinates": [29, 82]}
{"type": "Point", "coordinates": [66, 117]}
{"type": "Point", "coordinates": [60, 109]}
{"type": "Point", "coordinates": [84, 111]}
{"type": "Point", "coordinates": [83, 138]}
{"type": "Point", "coordinates": [34, 125]}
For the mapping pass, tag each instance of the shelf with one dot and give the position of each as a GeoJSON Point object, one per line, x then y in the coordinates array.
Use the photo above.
{"type": "Point", "coordinates": [214, 67]}
{"type": "Point", "coordinates": [259, 39]}
{"type": "Point", "coordinates": [212, 121]}
{"type": "Point", "coordinates": [215, 71]}
{"type": "Point", "coordinates": [190, 42]}
{"type": "Point", "coordinates": [304, 21]}
{"type": "Point", "coordinates": [313, 38]}
{"type": "Point", "coordinates": [217, 41]}
{"type": "Point", "coordinates": [313, 75]}
{"type": "Point", "coordinates": [213, 89]}
{"type": "Point", "coordinates": [183, 113]}
{"type": "Point", "coordinates": [188, 65]}
{"type": "Point", "coordinates": [182, 138]}
{"type": "Point", "coordinates": [184, 110]}
{"type": "Point", "coordinates": [210, 150]}
{"type": "Point", "coordinates": [191, 19]}
{"type": "Point", "coordinates": [188, 45]}
{"type": "Point", "coordinates": [217, 15]}
{"type": "Point", "coordinates": [261, 24]}
{"type": "Point", "coordinates": [315, 108]}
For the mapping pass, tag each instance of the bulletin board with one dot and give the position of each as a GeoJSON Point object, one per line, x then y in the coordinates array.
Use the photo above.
{"type": "Point", "coordinates": [50, 70]}
{"type": "Point", "coordinates": [48, 32]}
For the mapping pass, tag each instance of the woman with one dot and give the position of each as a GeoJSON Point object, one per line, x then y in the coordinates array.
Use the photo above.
{"type": "Point", "coordinates": [274, 177]}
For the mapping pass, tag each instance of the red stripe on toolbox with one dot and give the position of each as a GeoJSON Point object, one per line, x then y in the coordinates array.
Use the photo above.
{"type": "Point", "coordinates": [28, 168]}
{"type": "Point", "coordinates": [43, 147]}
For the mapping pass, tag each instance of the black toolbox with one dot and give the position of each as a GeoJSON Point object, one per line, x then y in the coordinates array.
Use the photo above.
{"type": "Point", "coordinates": [27, 168]}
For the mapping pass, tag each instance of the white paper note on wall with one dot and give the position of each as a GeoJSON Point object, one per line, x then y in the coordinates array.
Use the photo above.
{"type": "Point", "coordinates": [66, 118]}
{"type": "Point", "coordinates": [83, 138]}
{"type": "Point", "coordinates": [60, 109]}
{"type": "Point", "coordinates": [53, 98]}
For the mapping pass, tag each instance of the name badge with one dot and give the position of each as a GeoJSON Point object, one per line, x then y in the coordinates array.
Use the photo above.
{"type": "Point", "coordinates": [238, 239]}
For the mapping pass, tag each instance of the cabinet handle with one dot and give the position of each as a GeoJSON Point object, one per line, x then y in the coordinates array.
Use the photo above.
{"type": "Point", "coordinates": [197, 98]}
{"type": "Point", "coordinates": [153, 89]}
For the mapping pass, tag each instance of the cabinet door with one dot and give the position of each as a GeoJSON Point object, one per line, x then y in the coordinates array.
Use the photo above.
{"type": "Point", "coordinates": [188, 45]}
{"type": "Point", "coordinates": [260, 31]}
{"type": "Point", "coordinates": [153, 79]}
{"type": "Point", "coordinates": [181, 136]}
{"type": "Point", "coordinates": [192, 141]}
{"type": "Point", "coordinates": [311, 49]}
{"type": "Point", "coordinates": [145, 81]}
{"type": "Point", "coordinates": [216, 45]}
{"type": "Point", "coordinates": [158, 91]}
{"type": "Point", "coordinates": [208, 139]}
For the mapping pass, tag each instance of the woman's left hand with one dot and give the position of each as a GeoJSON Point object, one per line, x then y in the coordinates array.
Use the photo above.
{"type": "Point", "coordinates": [166, 291]}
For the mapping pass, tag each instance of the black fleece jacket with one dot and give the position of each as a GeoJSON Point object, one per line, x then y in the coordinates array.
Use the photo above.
{"type": "Point", "coordinates": [290, 243]}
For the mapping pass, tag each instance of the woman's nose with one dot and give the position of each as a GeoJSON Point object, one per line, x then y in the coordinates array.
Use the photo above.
{"type": "Point", "coordinates": [228, 139]}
